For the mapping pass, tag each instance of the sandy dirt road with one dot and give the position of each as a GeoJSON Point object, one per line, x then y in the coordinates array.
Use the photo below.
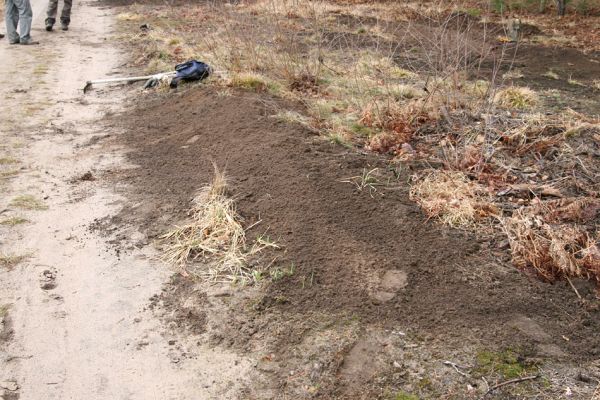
{"type": "Point", "coordinates": [75, 321]}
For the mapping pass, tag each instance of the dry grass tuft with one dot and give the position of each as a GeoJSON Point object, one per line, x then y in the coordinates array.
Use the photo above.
{"type": "Point", "coordinates": [8, 160]}
{"type": "Point", "coordinates": [28, 202]}
{"type": "Point", "coordinates": [292, 117]}
{"type": "Point", "coordinates": [214, 236]}
{"type": "Point", "coordinates": [398, 121]}
{"type": "Point", "coordinates": [9, 261]}
{"type": "Point", "coordinates": [516, 97]}
{"type": "Point", "coordinates": [513, 74]}
{"type": "Point", "coordinates": [574, 82]}
{"type": "Point", "coordinates": [552, 251]}
{"type": "Point", "coordinates": [250, 81]}
{"type": "Point", "coordinates": [552, 75]}
{"type": "Point", "coordinates": [127, 16]}
{"type": "Point", "coordinates": [12, 221]}
{"type": "Point", "coordinates": [452, 197]}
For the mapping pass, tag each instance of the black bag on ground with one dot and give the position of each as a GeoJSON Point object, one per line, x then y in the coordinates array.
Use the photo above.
{"type": "Point", "coordinates": [190, 71]}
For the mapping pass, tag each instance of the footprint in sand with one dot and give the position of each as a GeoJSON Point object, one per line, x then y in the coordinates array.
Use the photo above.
{"type": "Point", "coordinates": [48, 280]}
{"type": "Point", "coordinates": [390, 283]}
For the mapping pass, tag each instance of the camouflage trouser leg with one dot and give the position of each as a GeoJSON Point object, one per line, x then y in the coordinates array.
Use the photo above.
{"type": "Point", "coordinates": [65, 16]}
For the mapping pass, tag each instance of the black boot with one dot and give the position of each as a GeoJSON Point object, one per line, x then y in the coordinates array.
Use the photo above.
{"type": "Point", "coordinates": [50, 23]}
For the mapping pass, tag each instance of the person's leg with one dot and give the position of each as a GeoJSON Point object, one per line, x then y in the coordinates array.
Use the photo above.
{"type": "Point", "coordinates": [65, 16]}
{"type": "Point", "coordinates": [25, 18]}
{"type": "Point", "coordinates": [51, 14]}
{"type": "Point", "coordinates": [11, 17]}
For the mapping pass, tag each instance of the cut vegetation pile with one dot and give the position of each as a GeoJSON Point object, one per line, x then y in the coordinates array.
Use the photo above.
{"type": "Point", "coordinates": [212, 245]}
{"type": "Point", "coordinates": [546, 244]}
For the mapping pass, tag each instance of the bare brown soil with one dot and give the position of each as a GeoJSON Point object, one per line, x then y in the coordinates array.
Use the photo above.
{"type": "Point", "coordinates": [454, 292]}
{"type": "Point", "coordinates": [375, 299]}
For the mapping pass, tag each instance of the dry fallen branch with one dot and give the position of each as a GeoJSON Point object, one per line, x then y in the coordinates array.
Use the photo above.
{"type": "Point", "coordinates": [510, 382]}
{"type": "Point", "coordinates": [531, 189]}
{"type": "Point", "coordinates": [456, 368]}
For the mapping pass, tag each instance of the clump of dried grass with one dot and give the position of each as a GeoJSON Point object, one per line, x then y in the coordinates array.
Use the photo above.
{"type": "Point", "coordinates": [213, 245]}
{"type": "Point", "coordinates": [452, 197]}
{"type": "Point", "coordinates": [398, 122]}
{"type": "Point", "coordinates": [129, 16]}
{"type": "Point", "coordinates": [252, 81]}
{"type": "Point", "coordinates": [580, 210]}
{"type": "Point", "coordinates": [552, 251]}
{"type": "Point", "coordinates": [516, 97]}
{"type": "Point", "coordinates": [9, 261]}
{"type": "Point", "coordinates": [390, 116]}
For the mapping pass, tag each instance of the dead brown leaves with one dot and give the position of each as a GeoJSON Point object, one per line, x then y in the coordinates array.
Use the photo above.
{"type": "Point", "coordinates": [539, 184]}
{"type": "Point", "coordinates": [398, 123]}
{"type": "Point", "coordinates": [554, 251]}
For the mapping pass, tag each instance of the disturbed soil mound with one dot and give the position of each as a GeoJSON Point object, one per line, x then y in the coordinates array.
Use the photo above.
{"type": "Point", "coordinates": [369, 253]}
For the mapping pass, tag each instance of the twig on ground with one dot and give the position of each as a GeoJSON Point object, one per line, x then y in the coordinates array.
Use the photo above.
{"type": "Point", "coordinates": [596, 395]}
{"type": "Point", "coordinates": [456, 368]}
{"type": "Point", "coordinates": [574, 288]}
{"type": "Point", "coordinates": [510, 382]}
{"type": "Point", "coordinates": [487, 385]}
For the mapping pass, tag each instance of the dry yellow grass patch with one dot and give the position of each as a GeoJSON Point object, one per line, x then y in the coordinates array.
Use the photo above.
{"type": "Point", "coordinates": [513, 74]}
{"type": "Point", "coordinates": [128, 16]}
{"type": "Point", "coordinates": [517, 97]}
{"type": "Point", "coordinates": [251, 81]}
{"type": "Point", "coordinates": [552, 75]}
{"type": "Point", "coordinates": [11, 260]}
{"type": "Point", "coordinates": [214, 236]}
{"type": "Point", "coordinates": [452, 197]}
{"type": "Point", "coordinates": [12, 221]}
{"type": "Point", "coordinates": [28, 202]}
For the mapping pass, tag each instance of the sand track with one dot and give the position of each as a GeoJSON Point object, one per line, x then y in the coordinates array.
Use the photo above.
{"type": "Point", "coordinates": [76, 324]}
